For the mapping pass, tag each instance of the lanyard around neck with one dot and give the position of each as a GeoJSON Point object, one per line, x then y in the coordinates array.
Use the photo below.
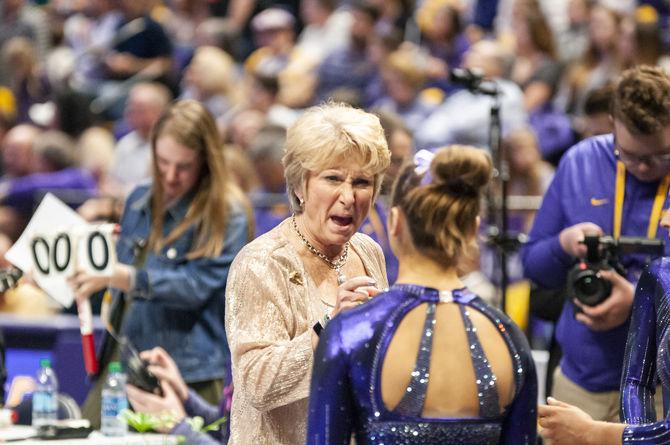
{"type": "Point", "coordinates": [656, 208]}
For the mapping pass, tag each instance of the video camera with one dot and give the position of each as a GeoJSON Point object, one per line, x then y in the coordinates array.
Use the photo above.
{"type": "Point", "coordinates": [137, 369]}
{"type": "Point", "coordinates": [602, 253]}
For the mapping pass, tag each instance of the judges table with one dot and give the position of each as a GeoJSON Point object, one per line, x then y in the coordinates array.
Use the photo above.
{"type": "Point", "coordinates": [15, 434]}
{"type": "Point", "coordinates": [55, 337]}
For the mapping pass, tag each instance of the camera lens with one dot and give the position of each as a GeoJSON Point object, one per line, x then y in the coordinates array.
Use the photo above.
{"type": "Point", "coordinates": [587, 287]}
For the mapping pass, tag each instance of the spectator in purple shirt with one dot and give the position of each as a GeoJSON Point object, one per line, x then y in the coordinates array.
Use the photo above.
{"type": "Point", "coordinates": [17, 150]}
{"type": "Point", "coordinates": [270, 203]}
{"type": "Point", "coordinates": [55, 170]}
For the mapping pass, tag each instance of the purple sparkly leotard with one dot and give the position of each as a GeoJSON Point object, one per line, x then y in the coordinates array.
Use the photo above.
{"type": "Point", "coordinates": [346, 398]}
{"type": "Point", "coordinates": [647, 358]}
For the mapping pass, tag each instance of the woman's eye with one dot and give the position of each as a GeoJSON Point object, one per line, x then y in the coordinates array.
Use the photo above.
{"type": "Point", "coordinates": [332, 178]}
{"type": "Point", "coordinates": [363, 182]}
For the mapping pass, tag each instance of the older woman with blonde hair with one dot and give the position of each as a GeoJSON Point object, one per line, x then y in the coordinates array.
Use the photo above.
{"type": "Point", "coordinates": [285, 286]}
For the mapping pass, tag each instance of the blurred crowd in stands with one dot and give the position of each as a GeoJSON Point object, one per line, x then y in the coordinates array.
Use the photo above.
{"type": "Point", "coordinates": [83, 81]}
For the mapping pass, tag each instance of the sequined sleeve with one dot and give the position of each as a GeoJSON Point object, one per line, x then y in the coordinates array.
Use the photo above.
{"type": "Point", "coordinates": [638, 382]}
{"type": "Point", "coordinates": [330, 411]}
{"type": "Point", "coordinates": [271, 358]}
{"type": "Point", "coordinates": [520, 424]}
{"type": "Point", "coordinates": [657, 433]}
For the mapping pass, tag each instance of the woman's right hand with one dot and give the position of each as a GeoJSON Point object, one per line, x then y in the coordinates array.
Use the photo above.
{"type": "Point", "coordinates": [353, 292]}
{"type": "Point", "coordinates": [165, 369]}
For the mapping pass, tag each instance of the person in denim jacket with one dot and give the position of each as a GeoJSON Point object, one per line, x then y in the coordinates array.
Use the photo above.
{"type": "Point", "coordinates": [178, 238]}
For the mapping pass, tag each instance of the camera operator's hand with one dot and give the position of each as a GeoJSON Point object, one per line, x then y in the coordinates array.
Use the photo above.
{"type": "Point", "coordinates": [165, 369]}
{"type": "Point", "coordinates": [612, 312]}
{"type": "Point", "coordinates": [571, 237]}
{"type": "Point", "coordinates": [168, 404]}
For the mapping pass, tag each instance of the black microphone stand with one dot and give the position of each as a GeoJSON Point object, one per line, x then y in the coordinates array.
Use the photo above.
{"type": "Point", "coordinates": [498, 234]}
{"type": "Point", "coordinates": [497, 231]}
{"type": "Point", "coordinates": [497, 227]}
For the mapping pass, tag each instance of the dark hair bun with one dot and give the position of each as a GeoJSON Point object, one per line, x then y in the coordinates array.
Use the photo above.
{"type": "Point", "coordinates": [461, 171]}
{"type": "Point", "coordinates": [442, 205]}
{"type": "Point", "coordinates": [458, 187]}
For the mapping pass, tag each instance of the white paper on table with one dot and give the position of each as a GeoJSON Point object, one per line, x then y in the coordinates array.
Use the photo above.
{"type": "Point", "coordinates": [17, 432]}
{"type": "Point", "coordinates": [50, 213]}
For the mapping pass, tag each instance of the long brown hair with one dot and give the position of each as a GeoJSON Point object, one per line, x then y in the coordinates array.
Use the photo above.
{"type": "Point", "coordinates": [189, 123]}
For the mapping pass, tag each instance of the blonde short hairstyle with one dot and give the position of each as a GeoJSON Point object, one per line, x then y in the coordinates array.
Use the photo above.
{"type": "Point", "coordinates": [328, 134]}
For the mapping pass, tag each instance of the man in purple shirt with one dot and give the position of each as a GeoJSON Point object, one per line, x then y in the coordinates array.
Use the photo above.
{"type": "Point", "coordinates": [613, 184]}
{"type": "Point", "coordinates": [49, 165]}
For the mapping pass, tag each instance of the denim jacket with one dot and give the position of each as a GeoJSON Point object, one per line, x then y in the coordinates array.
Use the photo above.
{"type": "Point", "coordinates": [178, 303]}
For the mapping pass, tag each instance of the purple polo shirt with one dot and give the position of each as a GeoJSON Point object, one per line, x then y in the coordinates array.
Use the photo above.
{"type": "Point", "coordinates": [583, 191]}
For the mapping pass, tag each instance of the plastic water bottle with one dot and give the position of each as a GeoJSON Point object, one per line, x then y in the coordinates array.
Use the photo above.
{"type": "Point", "coordinates": [45, 396]}
{"type": "Point", "coordinates": [114, 401]}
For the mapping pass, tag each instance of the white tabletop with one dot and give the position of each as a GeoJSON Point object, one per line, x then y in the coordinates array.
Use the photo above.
{"type": "Point", "coordinates": [15, 433]}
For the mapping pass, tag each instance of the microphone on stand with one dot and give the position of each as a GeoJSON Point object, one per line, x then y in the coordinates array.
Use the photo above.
{"type": "Point", "coordinates": [473, 80]}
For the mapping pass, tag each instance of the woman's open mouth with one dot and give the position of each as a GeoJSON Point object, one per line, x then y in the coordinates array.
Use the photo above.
{"type": "Point", "coordinates": [342, 220]}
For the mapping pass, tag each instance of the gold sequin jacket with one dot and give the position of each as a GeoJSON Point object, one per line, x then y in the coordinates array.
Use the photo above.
{"type": "Point", "coordinates": [271, 306]}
